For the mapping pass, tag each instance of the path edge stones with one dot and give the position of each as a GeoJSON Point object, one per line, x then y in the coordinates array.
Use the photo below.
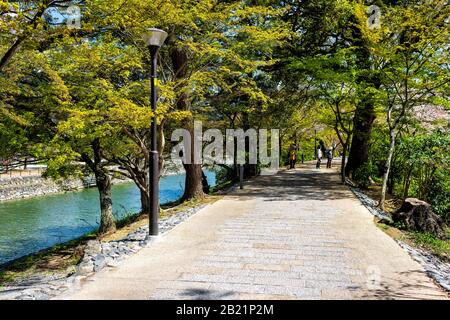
{"type": "Point", "coordinates": [97, 256]}
{"type": "Point", "coordinates": [436, 269]}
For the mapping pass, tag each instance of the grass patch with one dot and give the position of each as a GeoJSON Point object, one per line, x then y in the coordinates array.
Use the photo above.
{"type": "Point", "coordinates": [128, 219]}
{"type": "Point", "coordinates": [223, 185]}
{"type": "Point", "coordinates": [189, 204]}
{"type": "Point", "coordinates": [426, 241]}
{"type": "Point", "coordinates": [59, 259]}
{"type": "Point", "coordinates": [429, 242]}
{"type": "Point", "coordinates": [392, 231]}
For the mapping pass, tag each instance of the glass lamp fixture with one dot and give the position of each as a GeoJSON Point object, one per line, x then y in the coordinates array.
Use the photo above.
{"type": "Point", "coordinates": [155, 37]}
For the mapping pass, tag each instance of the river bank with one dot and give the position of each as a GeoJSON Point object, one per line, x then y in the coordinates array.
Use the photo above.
{"type": "Point", "coordinates": [54, 271]}
{"type": "Point", "coordinates": [24, 184]}
{"type": "Point", "coordinates": [23, 187]}
{"type": "Point", "coordinates": [36, 223]}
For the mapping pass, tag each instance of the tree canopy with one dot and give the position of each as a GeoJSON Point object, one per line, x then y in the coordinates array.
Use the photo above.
{"type": "Point", "coordinates": [78, 98]}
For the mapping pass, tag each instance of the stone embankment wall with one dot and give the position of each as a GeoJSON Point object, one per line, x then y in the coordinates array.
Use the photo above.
{"type": "Point", "coordinates": [33, 186]}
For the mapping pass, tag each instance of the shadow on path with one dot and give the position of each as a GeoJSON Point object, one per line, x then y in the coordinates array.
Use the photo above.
{"type": "Point", "coordinates": [306, 183]}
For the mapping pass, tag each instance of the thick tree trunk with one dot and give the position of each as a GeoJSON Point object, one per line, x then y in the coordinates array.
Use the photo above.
{"type": "Point", "coordinates": [103, 182]}
{"type": "Point", "coordinates": [365, 110]}
{"type": "Point", "coordinates": [387, 169]}
{"type": "Point", "coordinates": [193, 183]}
{"type": "Point", "coordinates": [193, 187]}
{"type": "Point", "coordinates": [417, 215]}
{"type": "Point", "coordinates": [142, 181]}
{"type": "Point", "coordinates": [359, 150]}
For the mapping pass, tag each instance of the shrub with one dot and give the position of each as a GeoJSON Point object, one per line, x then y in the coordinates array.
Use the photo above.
{"type": "Point", "coordinates": [439, 194]}
{"type": "Point", "coordinates": [362, 175]}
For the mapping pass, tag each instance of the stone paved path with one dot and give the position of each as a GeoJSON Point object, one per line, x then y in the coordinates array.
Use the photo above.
{"type": "Point", "coordinates": [296, 235]}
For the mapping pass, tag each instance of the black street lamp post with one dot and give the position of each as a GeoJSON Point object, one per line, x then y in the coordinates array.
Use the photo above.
{"type": "Point", "coordinates": [154, 39]}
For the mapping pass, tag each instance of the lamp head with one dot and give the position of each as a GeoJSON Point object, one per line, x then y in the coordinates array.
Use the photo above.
{"type": "Point", "coordinates": [155, 37]}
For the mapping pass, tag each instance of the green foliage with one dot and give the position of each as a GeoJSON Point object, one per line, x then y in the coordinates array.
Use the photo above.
{"type": "Point", "coordinates": [363, 174]}
{"type": "Point", "coordinates": [437, 246]}
{"type": "Point", "coordinates": [439, 193]}
{"type": "Point", "coordinates": [425, 161]}
{"type": "Point", "coordinates": [298, 66]}
{"type": "Point", "coordinates": [379, 145]}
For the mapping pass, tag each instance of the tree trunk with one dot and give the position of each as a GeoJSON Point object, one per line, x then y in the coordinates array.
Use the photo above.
{"type": "Point", "coordinates": [387, 169]}
{"type": "Point", "coordinates": [250, 170]}
{"type": "Point", "coordinates": [103, 182]}
{"type": "Point", "coordinates": [390, 184]}
{"type": "Point", "coordinates": [359, 150]}
{"type": "Point", "coordinates": [145, 205]}
{"type": "Point", "coordinates": [417, 215]}
{"type": "Point", "coordinates": [392, 175]}
{"type": "Point", "coordinates": [407, 183]}
{"type": "Point", "coordinates": [193, 183]}
{"type": "Point", "coordinates": [161, 145]}
{"type": "Point", "coordinates": [193, 187]}
{"type": "Point", "coordinates": [365, 110]}
{"type": "Point", "coordinates": [344, 152]}
{"type": "Point", "coordinates": [142, 181]}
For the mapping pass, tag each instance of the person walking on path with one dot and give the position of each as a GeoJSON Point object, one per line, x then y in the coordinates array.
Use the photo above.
{"type": "Point", "coordinates": [292, 155]}
{"type": "Point", "coordinates": [329, 158]}
{"type": "Point", "coordinates": [319, 157]}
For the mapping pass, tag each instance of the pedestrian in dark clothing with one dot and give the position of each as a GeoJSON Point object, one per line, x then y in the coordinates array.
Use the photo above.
{"type": "Point", "coordinates": [329, 158]}
{"type": "Point", "coordinates": [292, 155]}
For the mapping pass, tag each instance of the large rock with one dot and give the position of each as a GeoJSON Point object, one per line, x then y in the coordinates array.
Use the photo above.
{"type": "Point", "coordinates": [417, 215]}
{"type": "Point", "coordinates": [85, 268]}
{"type": "Point", "coordinates": [93, 247]}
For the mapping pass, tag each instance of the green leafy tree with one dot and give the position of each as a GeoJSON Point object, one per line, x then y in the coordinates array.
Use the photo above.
{"type": "Point", "coordinates": [410, 50]}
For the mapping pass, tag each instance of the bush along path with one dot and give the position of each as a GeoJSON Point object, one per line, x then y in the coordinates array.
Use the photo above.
{"type": "Point", "coordinates": [97, 255]}
{"type": "Point", "coordinates": [436, 268]}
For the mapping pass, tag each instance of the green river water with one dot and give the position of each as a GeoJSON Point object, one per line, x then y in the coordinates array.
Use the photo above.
{"type": "Point", "coordinates": [30, 225]}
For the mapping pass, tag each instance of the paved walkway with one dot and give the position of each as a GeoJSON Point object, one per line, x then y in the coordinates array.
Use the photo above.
{"type": "Point", "coordinates": [296, 235]}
